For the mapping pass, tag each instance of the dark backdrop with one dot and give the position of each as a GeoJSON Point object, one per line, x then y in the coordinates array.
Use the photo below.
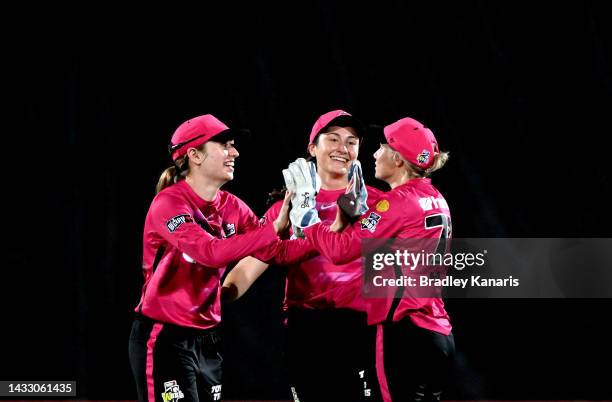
{"type": "Point", "coordinates": [520, 94]}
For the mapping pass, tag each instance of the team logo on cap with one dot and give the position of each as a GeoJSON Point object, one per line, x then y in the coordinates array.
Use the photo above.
{"type": "Point", "coordinates": [423, 157]}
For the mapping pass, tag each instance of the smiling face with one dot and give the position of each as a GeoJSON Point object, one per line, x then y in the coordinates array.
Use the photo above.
{"type": "Point", "coordinates": [335, 150]}
{"type": "Point", "coordinates": [217, 161]}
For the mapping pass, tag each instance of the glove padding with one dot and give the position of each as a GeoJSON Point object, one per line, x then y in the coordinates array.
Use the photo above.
{"type": "Point", "coordinates": [354, 202]}
{"type": "Point", "coordinates": [302, 180]}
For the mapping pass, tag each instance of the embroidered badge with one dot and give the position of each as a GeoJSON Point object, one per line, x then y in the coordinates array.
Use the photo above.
{"type": "Point", "coordinates": [172, 392]}
{"type": "Point", "coordinates": [177, 221]}
{"type": "Point", "coordinates": [423, 157]}
{"type": "Point", "coordinates": [382, 206]}
{"type": "Point", "coordinates": [370, 222]}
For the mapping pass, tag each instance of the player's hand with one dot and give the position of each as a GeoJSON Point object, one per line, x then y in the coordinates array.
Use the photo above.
{"type": "Point", "coordinates": [354, 202]}
{"type": "Point", "coordinates": [302, 178]}
{"type": "Point", "coordinates": [340, 223]}
{"type": "Point", "coordinates": [281, 223]}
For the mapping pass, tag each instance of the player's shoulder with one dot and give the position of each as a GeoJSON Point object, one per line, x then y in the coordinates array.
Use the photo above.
{"type": "Point", "coordinates": [171, 194]}
{"type": "Point", "coordinates": [274, 209]}
{"type": "Point", "coordinates": [400, 201]}
{"type": "Point", "coordinates": [229, 201]}
{"type": "Point", "coordinates": [374, 192]}
{"type": "Point", "coordinates": [225, 197]}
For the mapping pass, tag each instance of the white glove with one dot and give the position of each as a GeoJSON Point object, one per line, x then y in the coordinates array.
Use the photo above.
{"type": "Point", "coordinates": [302, 180]}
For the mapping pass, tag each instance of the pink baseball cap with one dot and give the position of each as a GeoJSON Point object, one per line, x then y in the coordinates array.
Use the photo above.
{"type": "Point", "coordinates": [415, 142]}
{"type": "Point", "coordinates": [338, 118]}
{"type": "Point", "coordinates": [194, 132]}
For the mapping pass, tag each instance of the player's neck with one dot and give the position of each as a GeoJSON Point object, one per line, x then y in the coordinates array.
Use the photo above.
{"type": "Point", "coordinates": [333, 182]}
{"type": "Point", "coordinates": [204, 187]}
{"type": "Point", "coordinates": [397, 179]}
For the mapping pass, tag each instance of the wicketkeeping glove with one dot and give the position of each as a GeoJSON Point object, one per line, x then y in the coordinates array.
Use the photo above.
{"type": "Point", "coordinates": [355, 202]}
{"type": "Point", "coordinates": [301, 178]}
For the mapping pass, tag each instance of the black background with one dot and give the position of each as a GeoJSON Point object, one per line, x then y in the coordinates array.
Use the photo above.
{"type": "Point", "coordinates": [519, 93]}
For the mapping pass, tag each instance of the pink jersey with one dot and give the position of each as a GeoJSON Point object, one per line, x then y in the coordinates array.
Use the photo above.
{"type": "Point", "coordinates": [187, 244]}
{"type": "Point", "coordinates": [404, 212]}
{"type": "Point", "coordinates": [317, 283]}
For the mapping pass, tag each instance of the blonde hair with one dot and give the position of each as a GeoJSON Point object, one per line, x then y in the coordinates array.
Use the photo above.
{"type": "Point", "coordinates": [173, 174]}
{"type": "Point", "coordinates": [414, 171]}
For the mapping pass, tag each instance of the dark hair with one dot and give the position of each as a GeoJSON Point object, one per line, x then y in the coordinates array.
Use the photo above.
{"type": "Point", "coordinates": [276, 195]}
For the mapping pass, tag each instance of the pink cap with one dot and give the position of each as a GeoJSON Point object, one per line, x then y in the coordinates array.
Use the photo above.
{"type": "Point", "coordinates": [335, 118]}
{"type": "Point", "coordinates": [415, 142]}
{"type": "Point", "coordinates": [193, 133]}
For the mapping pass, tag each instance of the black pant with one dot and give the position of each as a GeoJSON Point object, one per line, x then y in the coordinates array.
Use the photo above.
{"type": "Point", "coordinates": [331, 356]}
{"type": "Point", "coordinates": [417, 362]}
{"type": "Point", "coordinates": [172, 363]}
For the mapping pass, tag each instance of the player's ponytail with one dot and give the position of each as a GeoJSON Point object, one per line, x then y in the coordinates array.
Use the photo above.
{"type": "Point", "coordinates": [439, 161]}
{"type": "Point", "coordinates": [173, 174]}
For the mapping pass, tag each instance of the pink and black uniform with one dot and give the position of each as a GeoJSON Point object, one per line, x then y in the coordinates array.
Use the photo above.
{"type": "Point", "coordinates": [187, 244]}
{"type": "Point", "coordinates": [414, 339]}
{"type": "Point", "coordinates": [329, 345]}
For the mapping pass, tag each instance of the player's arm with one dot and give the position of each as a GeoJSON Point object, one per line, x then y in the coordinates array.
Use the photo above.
{"type": "Point", "coordinates": [380, 221]}
{"type": "Point", "coordinates": [172, 218]}
{"type": "Point", "coordinates": [241, 277]}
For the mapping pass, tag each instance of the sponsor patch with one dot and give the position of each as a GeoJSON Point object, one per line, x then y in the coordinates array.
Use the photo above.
{"type": "Point", "coordinates": [229, 229]}
{"type": "Point", "coordinates": [370, 222]}
{"type": "Point", "coordinates": [177, 221]}
{"type": "Point", "coordinates": [215, 391]}
{"type": "Point", "coordinates": [382, 206]}
{"type": "Point", "coordinates": [172, 392]}
{"type": "Point", "coordinates": [423, 157]}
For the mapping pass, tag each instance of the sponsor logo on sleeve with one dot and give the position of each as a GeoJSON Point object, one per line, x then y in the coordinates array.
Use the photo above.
{"type": "Point", "coordinates": [370, 222]}
{"type": "Point", "coordinates": [229, 229]}
{"type": "Point", "coordinates": [177, 221]}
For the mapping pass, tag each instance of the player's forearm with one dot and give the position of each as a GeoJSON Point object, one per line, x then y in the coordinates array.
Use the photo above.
{"type": "Point", "coordinates": [291, 252]}
{"type": "Point", "coordinates": [241, 277]}
{"type": "Point", "coordinates": [340, 248]}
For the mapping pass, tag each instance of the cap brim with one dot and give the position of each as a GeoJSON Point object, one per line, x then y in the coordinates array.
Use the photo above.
{"type": "Point", "coordinates": [347, 121]}
{"type": "Point", "coordinates": [235, 134]}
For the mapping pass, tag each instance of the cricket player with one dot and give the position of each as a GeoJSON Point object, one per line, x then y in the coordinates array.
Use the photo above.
{"type": "Point", "coordinates": [330, 348]}
{"type": "Point", "coordinates": [415, 344]}
{"type": "Point", "coordinates": [192, 231]}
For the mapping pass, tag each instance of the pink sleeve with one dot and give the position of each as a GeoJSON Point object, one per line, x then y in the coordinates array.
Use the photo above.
{"type": "Point", "coordinates": [171, 218]}
{"type": "Point", "coordinates": [382, 220]}
{"type": "Point", "coordinates": [284, 252]}
{"type": "Point", "coordinates": [373, 195]}
{"type": "Point", "coordinates": [247, 218]}
{"type": "Point", "coordinates": [291, 252]}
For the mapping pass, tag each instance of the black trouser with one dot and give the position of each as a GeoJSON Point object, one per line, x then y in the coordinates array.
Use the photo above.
{"type": "Point", "coordinates": [172, 363]}
{"type": "Point", "coordinates": [417, 362]}
{"type": "Point", "coordinates": [331, 356]}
